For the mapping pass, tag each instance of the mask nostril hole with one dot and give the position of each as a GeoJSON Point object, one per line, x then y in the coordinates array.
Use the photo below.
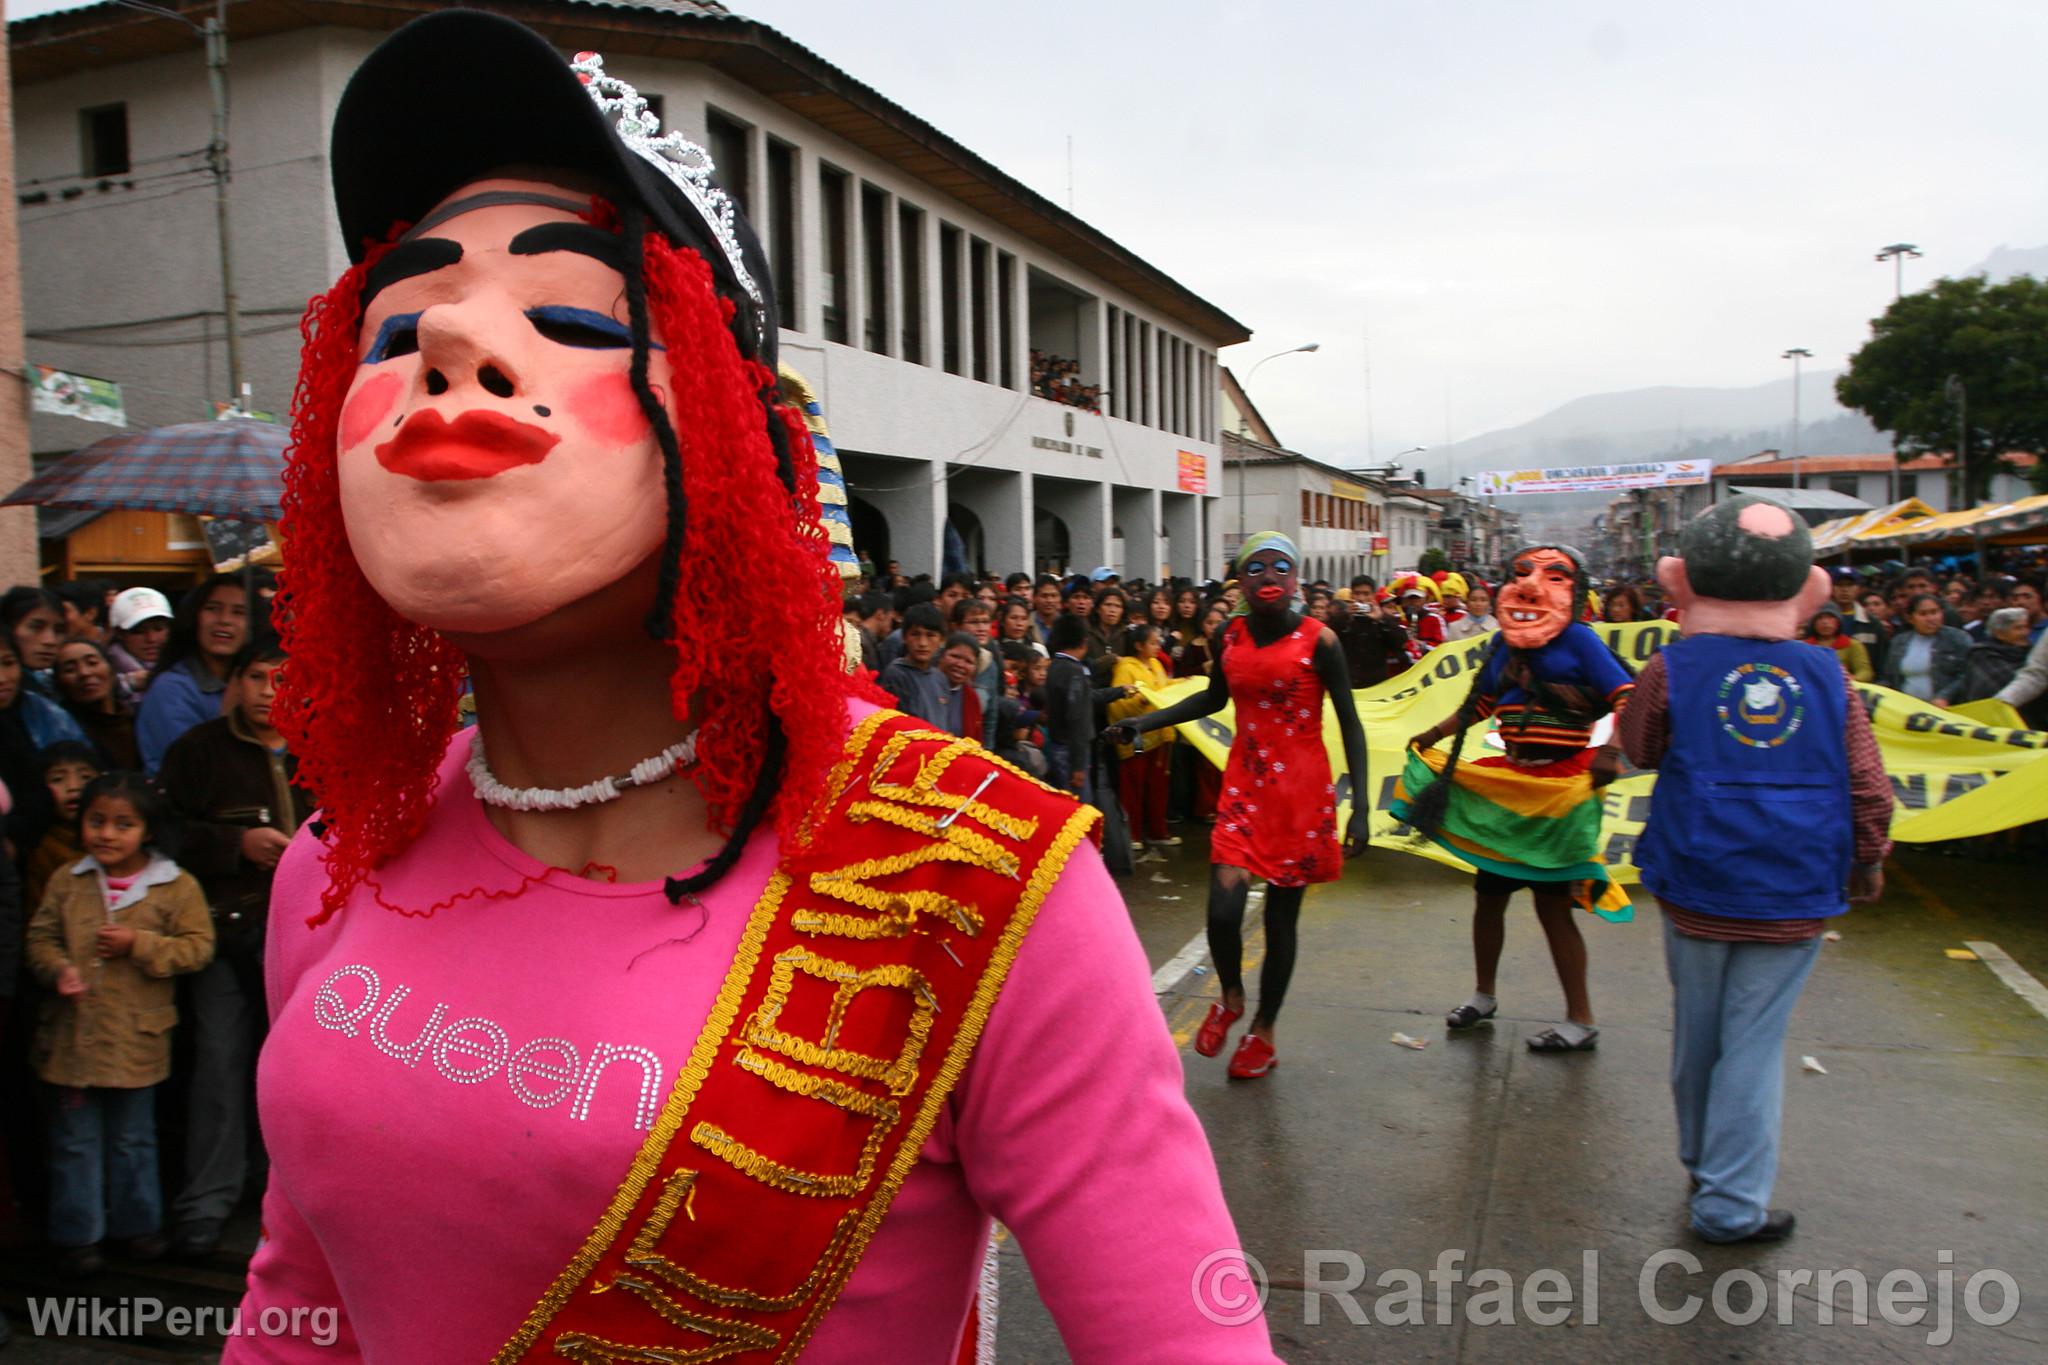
{"type": "Point", "coordinates": [494, 381]}
{"type": "Point", "coordinates": [437, 383]}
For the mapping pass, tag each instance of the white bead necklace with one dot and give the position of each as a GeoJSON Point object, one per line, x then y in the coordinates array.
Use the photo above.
{"type": "Point", "coordinates": [492, 792]}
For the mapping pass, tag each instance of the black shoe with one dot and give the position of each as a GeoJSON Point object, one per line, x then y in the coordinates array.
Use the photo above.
{"type": "Point", "coordinates": [150, 1246]}
{"type": "Point", "coordinates": [1776, 1227]}
{"type": "Point", "coordinates": [197, 1240]}
{"type": "Point", "coordinates": [80, 1261]}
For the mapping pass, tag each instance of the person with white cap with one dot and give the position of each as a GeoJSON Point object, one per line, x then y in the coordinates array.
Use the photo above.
{"type": "Point", "coordinates": [141, 621]}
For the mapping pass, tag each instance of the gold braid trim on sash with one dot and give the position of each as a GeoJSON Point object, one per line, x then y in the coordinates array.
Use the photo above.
{"type": "Point", "coordinates": [793, 913]}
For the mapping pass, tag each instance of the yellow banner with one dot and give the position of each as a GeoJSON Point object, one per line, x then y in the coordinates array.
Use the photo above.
{"type": "Point", "coordinates": [1951, 776]}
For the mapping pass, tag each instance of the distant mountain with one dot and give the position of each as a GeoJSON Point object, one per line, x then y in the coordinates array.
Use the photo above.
{"type": "Point", "coordinates": [2007, 262]}
{"type": "Point", "coordinates": [1672, 422]}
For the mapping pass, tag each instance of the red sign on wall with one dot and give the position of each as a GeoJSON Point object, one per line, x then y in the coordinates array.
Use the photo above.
{"type": "Point", "coordinates": [1194, 472]}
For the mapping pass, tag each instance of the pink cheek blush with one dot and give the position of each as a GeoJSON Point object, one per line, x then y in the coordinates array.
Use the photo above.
{"type": "Point", "coordinates": [367, 408]}
{"type": "Point", "coordinates": [607, 408]}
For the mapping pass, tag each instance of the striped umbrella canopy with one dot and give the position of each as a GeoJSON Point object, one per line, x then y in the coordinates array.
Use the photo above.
{"type": "Point", "coordinates": [232, 469]}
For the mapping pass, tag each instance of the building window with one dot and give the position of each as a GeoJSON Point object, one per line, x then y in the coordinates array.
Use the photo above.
{"type": "Point", "coordinates": [1909, 485]}
{"type": "Point", "coordinates": [910, 279]}
{"type": "Point", "coordinates": [977, 307]}
{"type": "Point", "coordinates": [1176, 385]}
{"type": "Point", "coordinates": [103, 139]}
{"type": "Point", "coordinates": [729, 142]}
{"type": "Point", "coordinates": [1144, 352]}
{"type": "Point", "coordinates": [1842, 483]}
{"type": "Point", "coordinates": [949, 296]}
{"type": "Point", "coordinates": [1006, 316]}
{"type": "Point", "coordinates": [874, 249]}
{"type": "Point", "coordinates": [832, 187]}
{"type": "Point", "coordinates": [782, 228]}
{"type": "Point", "coordinates": [1115, 406]}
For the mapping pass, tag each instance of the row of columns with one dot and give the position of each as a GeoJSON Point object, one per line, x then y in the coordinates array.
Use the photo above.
{"type": "Point", "coordinates": [1158, 528]}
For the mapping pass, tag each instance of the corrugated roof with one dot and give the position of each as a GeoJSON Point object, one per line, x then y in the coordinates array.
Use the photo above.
{"type": "Point", "coordinates": [1804, 499]}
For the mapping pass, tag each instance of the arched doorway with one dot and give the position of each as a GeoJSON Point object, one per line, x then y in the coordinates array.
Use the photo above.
{"type": "Point", "coordinates": [1053, 549]}
{"type": "Point", "coordinates": [972, 541]}
{"type": "Point", "coordinates": [870, 532]}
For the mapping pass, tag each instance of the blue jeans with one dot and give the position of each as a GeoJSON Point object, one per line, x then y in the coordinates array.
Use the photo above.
{"type": "Point", "coordinates": [1731, 1004]}
{"type": "Point", "coordinates": [103, 1177]}
{"type": "Point", "coordinates": [1060, 772]}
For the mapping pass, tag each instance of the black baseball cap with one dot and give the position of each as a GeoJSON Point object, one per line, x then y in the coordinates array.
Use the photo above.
{"type": "Point", "coordinates": [460, 94]}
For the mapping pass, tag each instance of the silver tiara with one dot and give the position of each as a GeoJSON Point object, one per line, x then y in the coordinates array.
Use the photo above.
{"type": "Point", "coordinates": [687, 165]}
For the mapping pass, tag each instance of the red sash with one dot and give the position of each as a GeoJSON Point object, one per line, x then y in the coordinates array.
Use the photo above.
{"type": "Point", "coordinates": [855, 999]}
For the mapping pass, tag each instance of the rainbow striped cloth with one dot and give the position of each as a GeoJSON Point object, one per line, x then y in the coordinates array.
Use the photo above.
{"type": "Point", "coordinates": [1520, 823]}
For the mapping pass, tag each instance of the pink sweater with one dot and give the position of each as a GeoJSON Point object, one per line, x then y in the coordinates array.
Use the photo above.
{"type": "Point", "coordinates": [450, 1098]}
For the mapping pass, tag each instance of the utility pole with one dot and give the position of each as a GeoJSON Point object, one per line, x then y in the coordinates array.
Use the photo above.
{"type": "Point", "coordinates": [215, 31]}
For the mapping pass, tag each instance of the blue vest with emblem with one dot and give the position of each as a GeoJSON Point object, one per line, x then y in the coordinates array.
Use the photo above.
{"type": "Point", "coordinates": [1750, 817]}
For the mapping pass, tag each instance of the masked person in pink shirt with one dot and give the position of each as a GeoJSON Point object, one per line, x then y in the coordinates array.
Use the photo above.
{"type": "Point", "coordinates": [692, 1005]}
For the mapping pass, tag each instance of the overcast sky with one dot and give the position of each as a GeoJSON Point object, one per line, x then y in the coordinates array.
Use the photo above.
{"type": "Point", "coordinates": [1507, 205]}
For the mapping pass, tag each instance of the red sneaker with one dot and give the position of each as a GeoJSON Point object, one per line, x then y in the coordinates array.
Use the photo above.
{"type": "Point", "coordinates": [1253, 1059]}
{"type": "Point", "coordinates": [1209, 1037]}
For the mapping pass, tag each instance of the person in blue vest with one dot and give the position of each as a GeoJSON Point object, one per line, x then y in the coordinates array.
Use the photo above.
{"type": "Point", "coordinates": [1768, 819]}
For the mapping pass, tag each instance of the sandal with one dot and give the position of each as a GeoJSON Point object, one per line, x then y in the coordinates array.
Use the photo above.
{"type": "Point", "coordinates": [1215, 1028]}
{"type": "Point", "coordinates": [1465, 1016]}
{"type": "Point", "coordinates": [1550, 1040]}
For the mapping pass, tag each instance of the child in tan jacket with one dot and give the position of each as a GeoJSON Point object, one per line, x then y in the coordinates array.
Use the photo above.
{"type": "Point", "coordinates": [111, 932]}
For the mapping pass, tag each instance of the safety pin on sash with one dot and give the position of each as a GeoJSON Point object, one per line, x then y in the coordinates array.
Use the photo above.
{"type": "Point", "coordinates": [946, 820]}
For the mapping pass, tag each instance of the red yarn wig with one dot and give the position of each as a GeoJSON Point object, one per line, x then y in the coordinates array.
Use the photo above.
{"type": "Point", "coordinates": [368, 703]}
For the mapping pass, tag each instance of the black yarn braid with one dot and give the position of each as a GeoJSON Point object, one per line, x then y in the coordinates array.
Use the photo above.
{"type": "Point", "coordinates": [677, 888]}
{"type": "Point", "coordinates": [1428, 807]}
{"type": "Point", "coordinates": [778, 435]}
{"type": "Point", "coordinates": [661, 621]}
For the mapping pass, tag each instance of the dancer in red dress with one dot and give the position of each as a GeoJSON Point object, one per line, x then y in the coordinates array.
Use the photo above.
{"type": "Point", "coordinates": [1277, 818]}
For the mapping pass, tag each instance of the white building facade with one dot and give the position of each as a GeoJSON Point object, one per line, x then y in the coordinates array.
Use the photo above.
{"type": "Point", "coordinates": [915, 280]}
{"type": "Point", "coordinates": [1336, 519]}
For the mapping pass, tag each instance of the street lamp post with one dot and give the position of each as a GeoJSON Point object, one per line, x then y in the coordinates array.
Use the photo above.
{"type": "Point", "coordinates": [1897, 253]}
{"type": "Point", "coordinates": [1244, 466]}
{"type": "Point", "coordinates": [1795, 355]}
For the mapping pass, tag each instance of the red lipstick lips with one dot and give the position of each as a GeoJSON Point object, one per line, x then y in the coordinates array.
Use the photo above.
{"type": "Point", "coordinates": [475, 445]}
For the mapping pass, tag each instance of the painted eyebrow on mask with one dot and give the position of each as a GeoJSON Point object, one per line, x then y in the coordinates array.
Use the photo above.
{"type": "Point", "coordinates": [420, 256]}
{"type": "Point", "coordinates": [606, 248]}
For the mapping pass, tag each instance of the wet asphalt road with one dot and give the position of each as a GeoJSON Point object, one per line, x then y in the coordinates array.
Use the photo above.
{"type": "Point", "coordinates": [1919, 1150]}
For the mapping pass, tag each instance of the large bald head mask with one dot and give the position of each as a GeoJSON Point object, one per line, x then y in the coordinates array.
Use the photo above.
{"type": "Point", "coordinates": [1744, 567]}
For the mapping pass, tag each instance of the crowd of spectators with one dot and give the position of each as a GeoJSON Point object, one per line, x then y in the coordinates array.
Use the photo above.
{"type": "Point", "coordinates": [146, 798]}
{"type": "Point", "coordinates": [1059, 379]}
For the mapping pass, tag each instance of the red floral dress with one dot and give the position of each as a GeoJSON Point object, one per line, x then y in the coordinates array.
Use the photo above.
{"type": "Point", "coordinates": [1278, 812]}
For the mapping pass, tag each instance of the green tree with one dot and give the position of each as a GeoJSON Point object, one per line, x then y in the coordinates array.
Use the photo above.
{"type": "Point", "coordinates": [1431, 560]}
{"type": "Point", "coordinates": [1964, 351]}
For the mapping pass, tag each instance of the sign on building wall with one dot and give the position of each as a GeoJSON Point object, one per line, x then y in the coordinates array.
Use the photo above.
{"type": "Point", "coordinates": [1599, 478]}
{"type": "Point", "coordinates": [76, 395]}
{"type": "Point", "coordinates": [1194, 472]}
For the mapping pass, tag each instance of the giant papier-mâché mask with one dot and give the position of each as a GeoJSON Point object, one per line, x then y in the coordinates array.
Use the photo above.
{"type": "Point", "coordinates": [1540, 597]}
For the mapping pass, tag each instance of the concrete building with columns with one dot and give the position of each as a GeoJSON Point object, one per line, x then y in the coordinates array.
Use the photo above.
{"type": "Point", "coordinates": [916, 281]}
